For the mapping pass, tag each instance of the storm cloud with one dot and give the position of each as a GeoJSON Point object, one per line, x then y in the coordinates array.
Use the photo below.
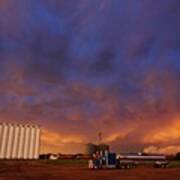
{"type": "Point", "coordinates": [84, 66]}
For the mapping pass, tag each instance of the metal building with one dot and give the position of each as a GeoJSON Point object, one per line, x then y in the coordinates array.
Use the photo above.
{"type": "Point", "coordinates": [19, 141]}
{"type": "Point", "coordinates": [91, 148]}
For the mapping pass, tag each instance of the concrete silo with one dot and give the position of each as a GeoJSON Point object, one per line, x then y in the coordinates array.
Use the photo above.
{"type": "Point", "coordinates": [19, 141]}
{"type": "Point", "coordinates": [26, 143]}
{"type": "Point", "coordinates": [16, 142]}
{"type": "Point", "coordinates": [20, 150]}
{"type": "Point", "coordinates": [4, 135]}
{"type": "Point", "coordinates": [10, 138]}
{"type": "Point", "coordinates": [32, 142]}
{"type": "Point", "coordinates": [37, 143]}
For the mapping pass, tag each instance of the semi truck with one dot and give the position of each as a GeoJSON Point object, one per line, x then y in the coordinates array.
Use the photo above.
{"type": "Point", "coordinates": [109, 160]}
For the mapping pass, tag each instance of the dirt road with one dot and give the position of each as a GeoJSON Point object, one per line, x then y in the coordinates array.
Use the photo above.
{"type": "Point", "coordinates": [43, 171]}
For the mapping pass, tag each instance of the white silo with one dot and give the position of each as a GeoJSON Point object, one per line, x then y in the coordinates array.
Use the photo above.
{"type": "Point", "coordinates": [1, 134]}
{"type": "Point", "coordinates": [19, 141]}
{"type": "Point", "coordinates": [37, 143]}
{"type": "Point", "coordinates": [16, 142]}
{"type": "Point", "coordinates": [32, 143]}
{"type": "Point", "coordinates": [4, 141]}
{"type": "Point", "coordinates": [10, 139]}
{"type": "Point", "coordinates": [26, 142]}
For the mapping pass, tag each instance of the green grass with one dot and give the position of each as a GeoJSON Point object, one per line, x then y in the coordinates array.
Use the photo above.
{"type": "Point", "coordinates": [174, 164]}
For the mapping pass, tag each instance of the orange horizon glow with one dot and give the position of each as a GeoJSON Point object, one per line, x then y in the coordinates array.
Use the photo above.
{"type": "Point", "coordinates": [159, 140]}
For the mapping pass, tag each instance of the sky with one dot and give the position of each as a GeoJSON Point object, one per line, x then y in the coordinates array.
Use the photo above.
{"type": "Point", "coordinates": [80, 67]}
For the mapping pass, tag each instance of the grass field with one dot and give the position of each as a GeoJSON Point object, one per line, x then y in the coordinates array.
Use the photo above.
{"type": "Point", "coordinates": [174, 164]}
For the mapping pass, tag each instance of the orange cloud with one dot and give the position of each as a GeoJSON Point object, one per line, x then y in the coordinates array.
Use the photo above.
{"type": "Point", "coordinates": [168, 133]}
{"type": "Point", "coordinates": [55, 142]}
{"type": "Point", "coordinates": [162, 150]}
{"type": "Point", "coordinates": [119, 135]}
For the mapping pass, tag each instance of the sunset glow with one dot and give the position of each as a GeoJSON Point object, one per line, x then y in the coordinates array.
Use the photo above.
{"type": "Point", "coordinates": [80, 67]}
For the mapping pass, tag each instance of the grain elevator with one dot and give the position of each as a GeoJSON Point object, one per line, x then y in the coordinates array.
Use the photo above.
{"type": "Point", "coordinates": [19, 141]}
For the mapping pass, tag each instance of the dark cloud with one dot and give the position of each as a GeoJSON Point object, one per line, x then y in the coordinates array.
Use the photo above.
{"type": "Point", "coordinates": [86, 66]}
{"type": "Point", "coordinates": [104, 63]}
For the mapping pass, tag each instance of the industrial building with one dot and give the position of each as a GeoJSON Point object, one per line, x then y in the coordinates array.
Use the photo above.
{"type": "Point", "coordinates": [93, 148]}
{"type": "Point", "coordinates": [19, 141]}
